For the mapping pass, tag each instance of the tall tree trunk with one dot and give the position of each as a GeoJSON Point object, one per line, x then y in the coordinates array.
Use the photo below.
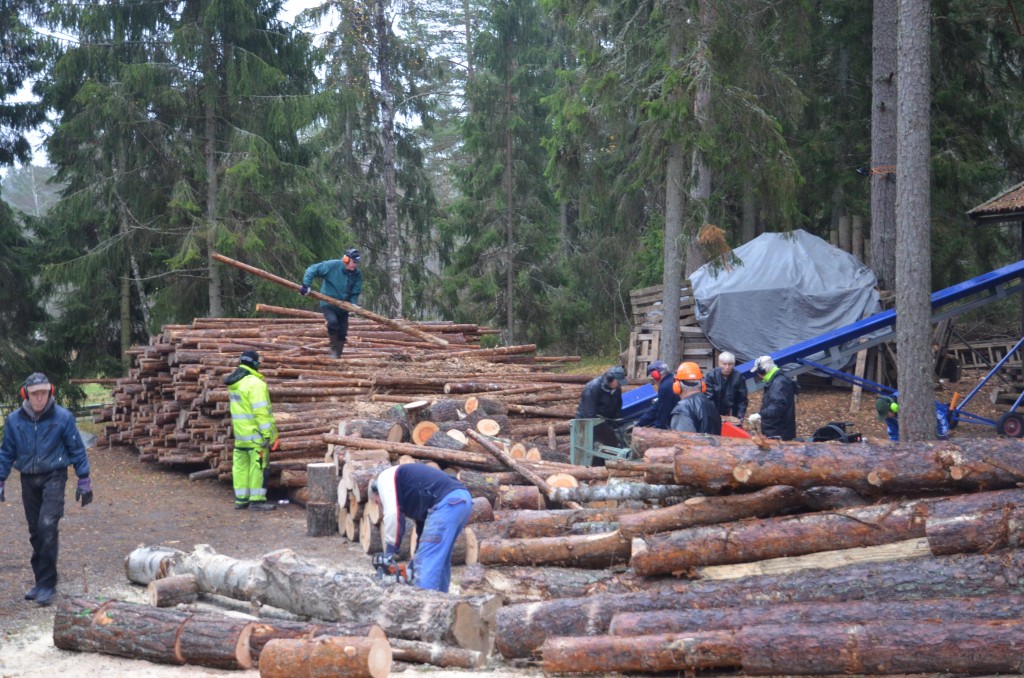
{"type": "Point", "coordinates": [700, 169]}
{"type": "Point", "coordinates": [210, 153]}
{"type": "Point", "coordinates": [140, 290]}
{"type": "Point", "coordinates": [749, 231]}
{"type": "Point", "coordinates": [467, 13]}
{"type": "Point", "coordinates": [387, 139]}
{"type": "Point", "coordinates": [509, 180]}
{"type": "Point", "coordinates": [672, 279]}
{"type": "Point", "coordinates": [913, 224]}
{"type": "Point", "coordinates": [883, 142]}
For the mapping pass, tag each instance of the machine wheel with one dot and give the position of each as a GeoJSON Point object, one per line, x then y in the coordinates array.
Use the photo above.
{"type": "Point", "coordinates": [1010, 424]}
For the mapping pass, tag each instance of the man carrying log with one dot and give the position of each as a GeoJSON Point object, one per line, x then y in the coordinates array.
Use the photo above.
{"type": "Point", "coordinates": [439, 504]}
{"type": "Point", "coordinates": [255, 433]}
{"type": "Point", "coordinates": [342, 280]}
{"type": "Point", "coordinates": [777, 415]}
{"type": "Point", "coordinates": [659, 414]}
{"type": "Point", "coordinates": [41, 441]}
{"type": "Point", "coordinates": [694, 412]}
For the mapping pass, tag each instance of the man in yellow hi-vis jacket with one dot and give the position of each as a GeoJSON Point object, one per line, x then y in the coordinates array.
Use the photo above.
{"type": "Point", "coordinates": [255, 433]}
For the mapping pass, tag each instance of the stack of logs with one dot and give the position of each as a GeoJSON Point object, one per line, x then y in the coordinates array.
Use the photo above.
{"type": "Point", "coordinates": [172, 408]}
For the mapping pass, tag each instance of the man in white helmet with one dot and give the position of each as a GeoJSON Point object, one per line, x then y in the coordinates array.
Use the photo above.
{"type": "Point", "coordinates": [777, 415]}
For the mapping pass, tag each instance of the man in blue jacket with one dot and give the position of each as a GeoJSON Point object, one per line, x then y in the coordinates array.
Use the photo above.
{"type": "Point", "coordinates": [438, 503]}
{"type": "Point", "coordinates": [342, 280]}
{"type": "Point", "coordinates": [41, 441]}
{"type": "Point", "coordinates": [659, 413]}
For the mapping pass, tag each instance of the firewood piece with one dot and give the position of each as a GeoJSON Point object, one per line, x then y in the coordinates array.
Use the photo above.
{"type": "Point", "coordinates": [154, 634]}
{"type": "Point", "coordinates": [517, 451]}
{"type": "Point", "coordinates": [512, 497]}
{"type": "Point", "coordinates": [321, 518]}
{"type": "Point", "coordinates": [351, 657]}
{"type": "Point", "coordinates": [486, 405]}
{"type": "Point", "coordinates": [399, 432]}
{"type": "Point", "coordinates": [597, 551]}
{"type": "Point", "coordinates": [444, 441]}
{"type": "Point", "coordinates": [562, 480]}
{"type": "Point", "coordinates": [445, 409]}
{"type": "Point", "coordinates": [322, 481]}
{"type": "Point", "coordinates": [534, 454]}
{"type": "Point", "coordinates": [482, 511]}
{"type": "Point", "coordinates": [881, 646]}
{"type": "Point", "coordinates": [171, 591]}
{"type": "Point", "coordinates": [422, 431]}
{"type": "Point", "coordinates": [147, 563]}
{"type": "Point", "coordinates": [369, 535]}
{"type": "Point", "coordinates": [375, 429]}
{"type": "Point", "coordinates": [266, 630]}
{"type": "Point", "coordinates": [416, 411]}
{"type": "Point", "coordinates": [489, 427]}
{"type": "Point", "coordinates": [414, 651]}
{"type": "Point", "coordinates": [824, 612]}
{"type": "Point", "coordinates": [710, 510]}
{"type": "Point", "coordinates": [522, 629]}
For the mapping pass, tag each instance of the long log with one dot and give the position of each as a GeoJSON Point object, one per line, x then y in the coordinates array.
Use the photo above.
{"type": "Point", "coordinates": [586, 551]}
{"type": "Point", "coordinates": [643, 438]}
{"type": "Point", "coordinates": [868, 468]}
{"type": "Point", "coordinates": [343, 305]}
{"type": "Point", "coordinates": [856, 611]}
{"type": "Point", "coordinates": [618, 492]}
{"type": "Point", "coordinates": [710, 510]}
{"type": "Point", "coordinates": [522, 629]}
{"type": "Point", "coordinates": [526, 524]}
{"type": "Point", "coordinates": [327, 656]}
{"type": "Point", "coordinates": [154, 634]}
{"type": "Point", "coordinates": [755, 540]}
{"type": "Point", "coordinates": [517, 584]}
{"type": "Point", "coordinates": [464, 458]}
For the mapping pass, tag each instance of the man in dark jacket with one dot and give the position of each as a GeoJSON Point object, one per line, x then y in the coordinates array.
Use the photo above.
{"type": "Point", "coordinates": [602, 397]}
{"type": "Point", "coordinates": [659, 414]}
{"type": "Point", "coordinates": [726, 388]}
{"type": "Point", "coordinates": [343, 281]}
{"type": "Point", "coordinates": [41, 441]}
{"type": "Point", "coordinates": [694, 412]}
{"type": "Point", "coordinates": [777, 415]}
{"type": "Point", "coordinates": [438, 503]}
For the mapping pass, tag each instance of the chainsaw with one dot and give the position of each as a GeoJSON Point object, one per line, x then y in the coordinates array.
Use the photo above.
{"type": "Point", "coordinates": [390, 572]}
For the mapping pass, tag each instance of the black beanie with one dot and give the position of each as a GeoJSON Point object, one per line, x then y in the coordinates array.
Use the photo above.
{"type": "Point", "coordinates": [251, 359]}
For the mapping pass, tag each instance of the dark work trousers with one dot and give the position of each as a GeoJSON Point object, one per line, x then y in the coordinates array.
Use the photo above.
{"type": "Point", "coordinates": [42, 495]}
{"type": "Point", "coordinates": [337, 322]}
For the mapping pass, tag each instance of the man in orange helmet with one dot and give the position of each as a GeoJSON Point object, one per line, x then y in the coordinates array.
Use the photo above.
{"type": "Point", "coordinates": [695, 412]}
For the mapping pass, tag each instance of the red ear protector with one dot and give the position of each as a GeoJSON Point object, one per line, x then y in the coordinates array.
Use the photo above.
{"type": "Point", "coordinates": [655, 375]}
{"type": "Point", "coordinates": [345, 259]}
{"type": "Point", "coordinates": [24, 394]}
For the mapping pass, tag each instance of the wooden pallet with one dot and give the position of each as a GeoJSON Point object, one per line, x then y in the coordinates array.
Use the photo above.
{"type": "Point", "coordinates": [648, 301]}
{"type": "Point", "coordinates": [985, 353]}
{"type": "Point", "coordinates": [645, 343]}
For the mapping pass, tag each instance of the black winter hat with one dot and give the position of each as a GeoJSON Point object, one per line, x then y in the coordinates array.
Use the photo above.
{"type": "Point", "coordinates": [251, 359]}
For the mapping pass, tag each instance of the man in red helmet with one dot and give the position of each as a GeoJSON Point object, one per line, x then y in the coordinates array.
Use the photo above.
{"type": "Point", "coordinates": [659, 414]}
{"type": "Point", "coordinates": [695, 412]}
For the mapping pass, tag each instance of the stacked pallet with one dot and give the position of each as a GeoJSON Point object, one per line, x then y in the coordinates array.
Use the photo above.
{"type": "Point", "coordinates": [645, 339]}
{"type": "Point", "coordinates": [784, 543]}
{"type": "Point", "coordinates": [172, 408]}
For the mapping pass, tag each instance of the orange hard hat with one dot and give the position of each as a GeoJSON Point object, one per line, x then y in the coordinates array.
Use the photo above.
{"type": "Point", "coordinates": [689, 372]}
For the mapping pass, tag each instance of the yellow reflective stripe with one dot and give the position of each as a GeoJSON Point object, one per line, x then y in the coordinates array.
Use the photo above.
{"type": "Point", "coordinates": [264, 427]}
{"type": "Point", "coordinates": [242, 416]}
{"type": "Point", "coordinates": [261, 404]}
{"type": "Point", "coordinates": [234, 397]}
{"type": "Point", "coordinates": [255, 436]}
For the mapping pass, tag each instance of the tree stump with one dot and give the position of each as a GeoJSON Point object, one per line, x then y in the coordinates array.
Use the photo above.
{"type": "Point", "coordinates": [321, 518]}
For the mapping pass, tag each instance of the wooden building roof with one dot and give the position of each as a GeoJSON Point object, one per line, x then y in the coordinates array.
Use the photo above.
{"type": "Point", "coordinates": [1007, 206]}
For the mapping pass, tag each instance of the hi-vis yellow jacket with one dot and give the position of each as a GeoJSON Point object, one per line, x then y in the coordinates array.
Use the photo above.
{"type": "Point", "coordinates": [251, 416]}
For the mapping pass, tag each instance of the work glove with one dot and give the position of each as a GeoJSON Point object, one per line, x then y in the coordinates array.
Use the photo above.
{"type": "Point", "coordinates": [304, 290]}
{"type": "Point", "coordinates": [2, 492]}
{"type": "Point", "coordinates": [754, 419]}
{"type": "Point", "coordinates": [83, 492]}
{"type": "Point", "coordinates": [383, 560]}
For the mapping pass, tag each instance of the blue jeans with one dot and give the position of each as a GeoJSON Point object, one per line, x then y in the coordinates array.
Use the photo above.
{"type": "Point", "coordinates": [432, 564]}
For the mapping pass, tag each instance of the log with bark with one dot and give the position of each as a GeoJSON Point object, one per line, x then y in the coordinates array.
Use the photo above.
{"type": "Point", "coordinates": [354, 657]}
{"type": "Point", "coordinates": [586, 551]}
{"type": "Point", "coordinates": [521, 583]}
{"type": "Point", "coordinates": [617, 492]}
{"type": "Point", "coordinates": [157, 635]}
{"type": "Point", "coordinates": [265, 630]}
{"type": "Point", "coordinates": [522, 629]}
{"type": "Point", "coordinates": [171, 591]}
{"type": "Point", "coordinates": [869, 648]}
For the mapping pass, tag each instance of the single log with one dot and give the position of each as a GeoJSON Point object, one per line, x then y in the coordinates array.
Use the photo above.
{"type": "Point", "coordinates": [518, 584]}
{"type": "Point", "coordinates": [414, 651]}
{"type": "Point", "coordinates": [445, 409]}
{"type": "Point", "coordinates": [321, 518]}
{"type": "Point", "coordinates": [643, 439]}
{"type": "Point", "coordinates": [874, 647]}
{"type": "Point", "coordinates": [147, 563]}
{"type": "Point", "coordinates": [488, 405]}
{"type": "Point", "coordinates": [266, 630]}
{"type": "Point", "coordinates": [322, 481]}
{"type": "Point", "coordinates": [375, 429]}
{"type": "Point", "coordinates": [522, 629]}
{"type": "Point", "coordinates": [445, 442]}
{"type": "Point", "coordinates": [482, 511]}
{"type": "Point", "coordinates": [586, 551]}
{"type": "Point", "coordinates": [489, 427]}
{"type": "Point", "coordinates": [617, 492]}
{"type": "Point", "coordinates": [171, 591]}
{"type": "Point", "coordinates": [710, 510]}
{"type": "Point", "coordinates": [851, 612]}
{"type": "Point", "coordinates": [157, 635]}
{"type": "Point", "coordinates": [869, 468]}
{"type": "Point", "coordinates": [369, 535]}
{"type": "Point", "coordinates": [755, 540]}
{"type": "Point", "coordinates": [983, 530]}
{"type": "Point", "coordinates": [562, 480]}
{"type": "Point", "coordinates": [527, 524]}
{"type": "Point", "coordinates": [343, 305]}
{"type": "Point", "coordinates": [511, 497]}
{"type": "Point", "coordinates": [422, 432]}
{"type": "Point", "coordinates": [327, 656]}
{"type": "Point", "coordinates": [462, 459]}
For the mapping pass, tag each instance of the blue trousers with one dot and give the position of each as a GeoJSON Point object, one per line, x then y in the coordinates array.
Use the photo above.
{"type": "Point", "coordinates": [432, 564]}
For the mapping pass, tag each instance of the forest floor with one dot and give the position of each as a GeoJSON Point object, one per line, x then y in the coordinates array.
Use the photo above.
{"type": "Point", "coordinates": [139, 503]}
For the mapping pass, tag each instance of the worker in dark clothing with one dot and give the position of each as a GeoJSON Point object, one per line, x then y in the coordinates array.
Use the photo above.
{"type": "Point", "coordinates": [602, 397]}
{"type": "Point", "coordinates": [41, 441]}
{"type": "Point", "coordinates": [659, 414]}
{"type": "Point", "coordinates": [726, 387]}
{"type": "Point", "coordinates": [438, 503]}
{"type": "Point", "coordinates": [342, 280]}
{"type": "Point", "coordinates": [888, 409]}
{"type": "Point", "coordinates": [777, 415]}
{"type": "Point", "coordinates": [694, 412]}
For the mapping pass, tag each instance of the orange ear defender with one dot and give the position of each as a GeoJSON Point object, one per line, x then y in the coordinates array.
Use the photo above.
{"type": "Point", "coordinates": [345, 259]}
{"type": "Point", "coordinates": [24, 394]}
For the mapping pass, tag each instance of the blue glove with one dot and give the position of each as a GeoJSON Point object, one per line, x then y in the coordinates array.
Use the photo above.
{"type": "Point", "coordinates": [2, 492]}
{"type": "Point", "coordinates": [84, 491]}
{"type": "Point", "coordinates": [304, 290]}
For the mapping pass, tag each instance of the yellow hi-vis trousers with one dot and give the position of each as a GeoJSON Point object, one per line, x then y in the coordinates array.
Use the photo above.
{"type": "Point", "coordinates": [247, 466]}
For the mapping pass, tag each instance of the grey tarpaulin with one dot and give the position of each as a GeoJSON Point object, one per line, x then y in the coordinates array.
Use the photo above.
{"type": "Point", "coordinates": [786, 288]}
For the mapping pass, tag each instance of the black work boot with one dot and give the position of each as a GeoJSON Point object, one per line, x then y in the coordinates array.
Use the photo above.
{"type": "Point", "coordinates": [32, 592]}
{"type": "Point", "coordinates": [337, 346]}
{"type": "Point", "coordinates": [44, 596]}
